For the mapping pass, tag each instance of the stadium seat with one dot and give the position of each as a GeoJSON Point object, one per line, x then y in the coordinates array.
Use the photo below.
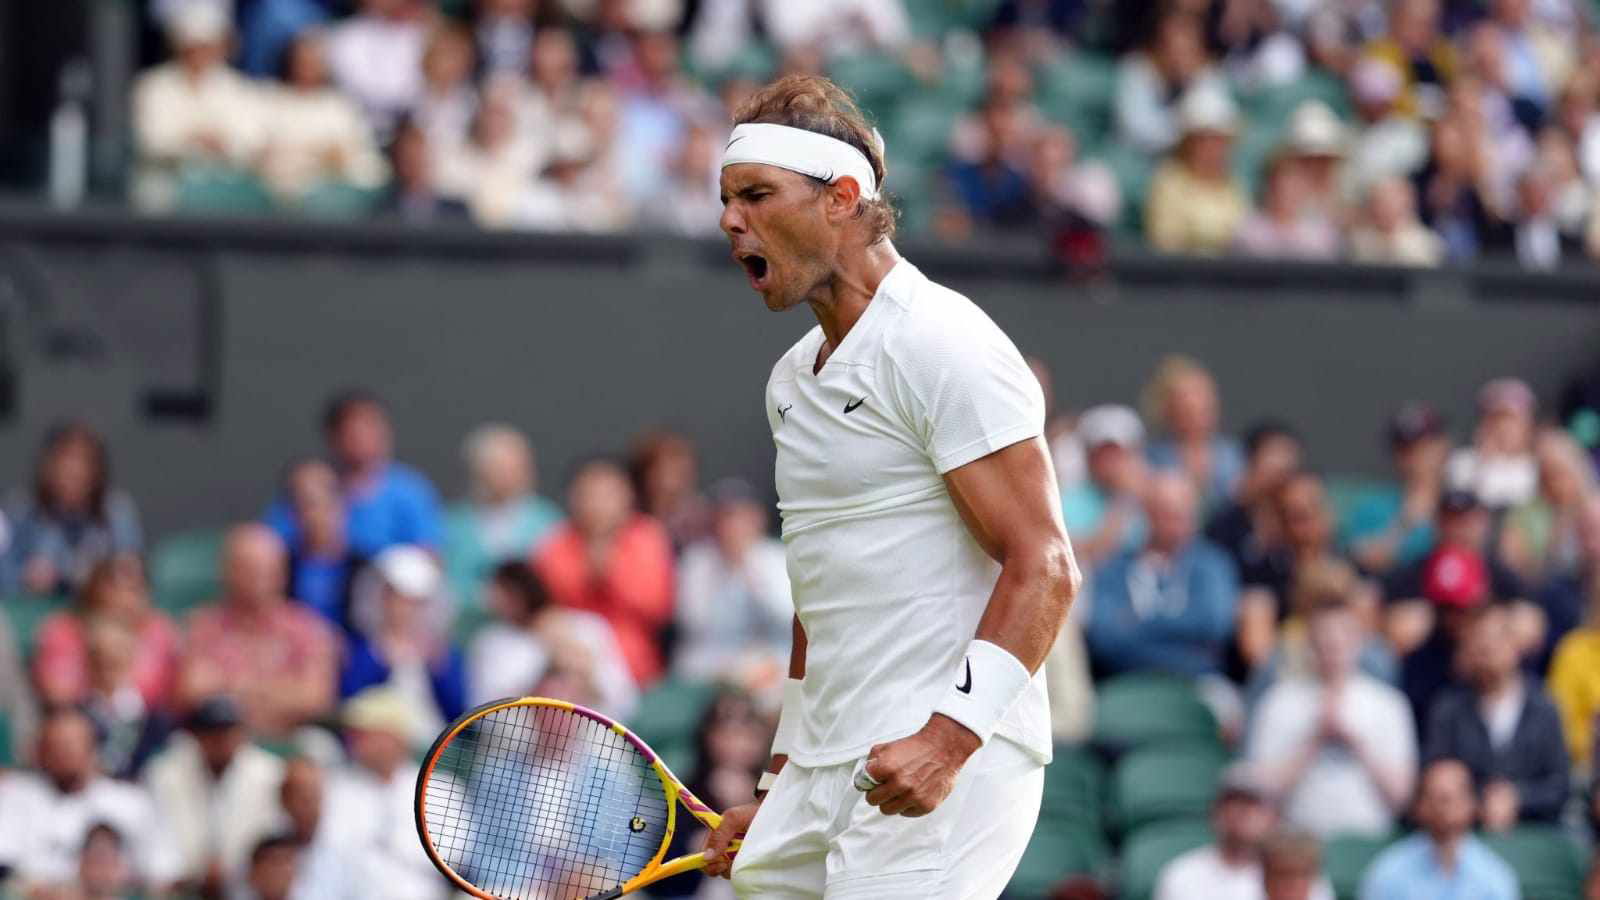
{"type": "Point", "coordinates": [1074, 788]}
{"type": "Point", "coordinates": [1133, 710]}
{"type": "Point", "coordinates": [877, 81]}
{"type": "Point", "coordinates": [1345, 859]}
{"type": "Point", "coordinates": [185, 571]}
{"type": "Point", "coordinates": [934, 18]}
{"type": "Point", "coordinates": [668, 715]}
{"type": "Point", "coordinates": [1133, 170]}
{"type": "Point", "coordinates": [1152, 847]}
{"type": "Point", "coordinates": [26, 612]}
{"type": "Point", "coordinates": [6, 758]}
{"type": "Point", "coordinates": [215, 191]}
{"type": "Point", "coordinates": [1167, 781]}
{"type": "Point", "coordinates": [1056, 851]}
{"type": "Point", "coordinates": [337, 200]}
{"type": "Point", "coordinates": [919, 129]}
{"type": "Point", "coordinates": [1549, 865]}
{"type": "Point", "coordinates": [1077, 92]}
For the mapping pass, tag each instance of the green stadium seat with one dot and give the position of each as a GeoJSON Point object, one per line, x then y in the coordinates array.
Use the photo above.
{"type": "Point", "coordinates": [1134, 710]}
{"type": "Point", "coordinates": [934, 18]}
{"type": "Point", "coordinates": [1150, 848]}
{"type": "Point", "coordinates": [185, 571]}
{"type": "Point", "coordinates": [1133, 170]}
{"type": "Point", "coordinates": [919, 129]}
{"type": "Point", "coordinates": [7, 760]}
{"type": "Point", "coordinates": [216, 191]}
{"type": "Point", "coordinates": [1055, 852]}
{"type": "Point", "coordinates": [1345, 859]}
{"type": "Point", "coordinates": [1074, 788]}
{"type": "Point", "coordinates": [755, 60]}
{"type": "Point", "coordinates": [26, 612]}
{"type": "Point", "coordinates": [1078, 92]}
{"type": "Point", "coordinates": [1548, 863]}
{"type": "Point", "coordinates": [668, 715]}
{"type": "Point", "coordinates": [877, 81]}
{"type": "Point", "coordinates": [1167, 781]}
{"type": "Point", "coordinates": [337, 200]}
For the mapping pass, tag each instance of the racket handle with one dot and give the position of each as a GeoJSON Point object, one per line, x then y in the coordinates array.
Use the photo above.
{"type": "Point", "coordinates": [687, 863]}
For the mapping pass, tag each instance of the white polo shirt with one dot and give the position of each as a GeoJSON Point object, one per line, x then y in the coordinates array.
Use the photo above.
{"type": "Point", "coordinates": [887, 581]}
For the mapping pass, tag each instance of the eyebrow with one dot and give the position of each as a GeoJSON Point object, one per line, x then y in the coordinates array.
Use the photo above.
{"type": "Point", "coordinates": [747, 190]}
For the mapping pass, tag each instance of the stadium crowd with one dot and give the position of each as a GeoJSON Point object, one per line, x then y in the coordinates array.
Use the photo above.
{"type": "Point", "coordinates": [1413, 132]}
{"type": "Point", "coordinates": [1419, 652]}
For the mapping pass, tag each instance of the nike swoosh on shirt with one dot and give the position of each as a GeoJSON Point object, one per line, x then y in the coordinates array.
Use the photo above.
{"type": "Point", "coordinates": [852, 407]}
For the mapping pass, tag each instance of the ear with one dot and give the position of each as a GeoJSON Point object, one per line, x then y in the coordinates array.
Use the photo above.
{"type": "Point", "coordinates": [844, 196]}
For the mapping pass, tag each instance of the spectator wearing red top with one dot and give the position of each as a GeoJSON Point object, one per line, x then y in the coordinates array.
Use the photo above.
{"type": "Point", "coordinates": [277, 659]}
{"type": "Point", "coordinates": [115, 590]}
{"type": "Point", "coordinates": [612, 560]}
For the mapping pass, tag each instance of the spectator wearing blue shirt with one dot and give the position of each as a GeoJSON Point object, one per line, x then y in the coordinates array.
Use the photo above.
{"type": "Point", "coordinates": [1183, 395]}
{"type": "Point", "coordinates": [502, 518]}
{"type": "Point", "coordinates": [992, 192]}
{"type": "Point", "coordinates": [1443, 861]}
{"type": "Point", "coordinates": [321, 566]}
{"type": "Point", "coordinates": [1392, 525]}
{"type": "Point", "coordinates": [1170, 605]}
{"type": "Point", "coordinates": [1103, 512]}
{"type": "Point", "coordinates": [387, 502]}
{"type": "Point", "coordinates": [401, 618]}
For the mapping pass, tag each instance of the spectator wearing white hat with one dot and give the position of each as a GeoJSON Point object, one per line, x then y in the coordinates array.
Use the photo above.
{"type": "Point", "coordinates": [194, 109]}
{"type": "Point", "coordinates": [1152, 81]}
{"type": "Point", "coordinates": [1104, 512]}
{"type": "Point", "coordinates": [401, 617]}
{"type": "Point", "coordinates": [1195, 204]}
{"type": "Point", "coordinates": [1318, 140]}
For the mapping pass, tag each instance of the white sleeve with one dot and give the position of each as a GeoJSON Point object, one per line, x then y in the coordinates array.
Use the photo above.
{"type": "Point", "coordinates": [963, 386]}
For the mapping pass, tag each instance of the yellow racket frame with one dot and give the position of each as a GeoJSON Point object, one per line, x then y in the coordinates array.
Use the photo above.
{"type": "Point", "coordinates": [655, 870]}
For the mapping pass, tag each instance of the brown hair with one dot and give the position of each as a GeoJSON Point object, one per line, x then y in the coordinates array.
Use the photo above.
{"type": "Point", "coordinates": [1291, 852]}
{"type": "Point", "coordinates": [814, 103]}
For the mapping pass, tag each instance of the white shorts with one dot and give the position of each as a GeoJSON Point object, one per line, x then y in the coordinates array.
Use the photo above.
{"type": "Point", "coordinates": [816, 837]}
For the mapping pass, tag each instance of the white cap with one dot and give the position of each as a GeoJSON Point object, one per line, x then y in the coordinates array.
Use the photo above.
{"type": "Point", "coordinates": [1207, 107]}
{"type": "Point", "coordinates": [1315, 130]}
{"type": "Point", "coordinates": [197, 22]}
{"type": "Point", "coordinates": [1110, 424]}
{"type": "Point", "coordinates": [408, 570]}
{"type": "Point", "coordinates": [1375, 80]}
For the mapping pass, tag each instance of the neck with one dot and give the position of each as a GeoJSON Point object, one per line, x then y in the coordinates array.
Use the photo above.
{"type": "Point", "coordinates": [840, 300]}
{"type": "Point", "coordinates": [1500, 686]}
{"type": "Point", "coordinates": [1446, 848]}
{"type": "Point", "coordinates": [1233, 853]}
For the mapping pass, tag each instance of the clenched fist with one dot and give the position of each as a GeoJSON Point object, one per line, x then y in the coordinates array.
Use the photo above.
{"type": "Point", "coordinates": [916, 773]}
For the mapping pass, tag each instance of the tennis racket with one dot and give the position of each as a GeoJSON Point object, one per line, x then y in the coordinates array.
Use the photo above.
{"type": "Point", "coordinates": [537, 799]}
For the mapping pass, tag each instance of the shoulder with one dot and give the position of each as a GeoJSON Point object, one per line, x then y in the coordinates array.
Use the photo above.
{"type": "Point", "coordinates": [407, 478]}
{"type": "Point", "coordinates": [1397, 859]}
{"type": "Point", "coordinates": [1453, 702]}
{"type": "Point", "coordinates": [1205, 553]}
{"type": "Point", "coordinates": [1488, 865]}
{"type": "Point", "coordinates": [932, 318]}
{"type": "Point", "coordinates": [1184, 867]}
{"type": "Point", "coordinates": [1383, 697]}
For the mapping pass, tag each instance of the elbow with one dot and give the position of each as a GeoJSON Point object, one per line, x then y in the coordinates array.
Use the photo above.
{"type": "Point", "coordinates": [1058, 571]}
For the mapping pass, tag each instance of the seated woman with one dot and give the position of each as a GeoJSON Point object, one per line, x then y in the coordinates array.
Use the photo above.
{"type": "Point", "coordinates": [115, 590]}
{"type": "Point", "coordinates": [400, 619]}
{"type": "Point", "coordinates": [316, 136]}
{"type": "Point", "coordinates": [503, 517]}
{"type": "Point", "coordinates": [322, 565]}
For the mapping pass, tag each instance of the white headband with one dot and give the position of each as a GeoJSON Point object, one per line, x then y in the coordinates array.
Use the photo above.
{"type": "Point", "coordinates": [799, 150]}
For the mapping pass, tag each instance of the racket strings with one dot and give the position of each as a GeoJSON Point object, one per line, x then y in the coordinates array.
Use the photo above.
{"type": "Point", "coordinates": [540, 803]}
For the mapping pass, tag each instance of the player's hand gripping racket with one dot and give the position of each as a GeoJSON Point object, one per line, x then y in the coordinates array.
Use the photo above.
{"type": "Point", "coordinates": [536, 799]}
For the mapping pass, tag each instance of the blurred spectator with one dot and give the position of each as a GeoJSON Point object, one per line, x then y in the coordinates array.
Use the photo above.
{"type": "Point", "coordinates": [1537, 57]}
{"type": "Point", "coordinates": [413, 195]}
{"type": "Point", "coordinates": [1502, 727]}
{"type": "Point", "coordinates": [315, 135]}
{"type": "Point", "coordinates": [1305, 528]}
{"type": "Point", "coordinates": [1317, 141]}
{"type": "Point", "coordinates": [448, 102]}
{"type": "Point", "coordinates": [104, 870]}
{"type": "Point", "coordinates": [273, 872]}
{"type": "Point", "coordinates": [46, 816]}
{"type": "Point", "coordinates": [504, 33]}
{"type": "Point", "coordinates": [1391, 233]}
{"type": "Point", "coordinates": [1258, 52]}
{"type": "Point", "coordinates": [990, 190]}
{"type": "Point", "coordinates": [612, 560]}
{"type": "Point", "coordinates": [400, 616]}
{"type": "Point", "coordinates": [1076, 200]}
{"type": "Point", "coordinates": [376, 57]}
{"type": "Point", "coordinates": [502, 518]}
{"type": "Point", "coordinates": [1036, 29]}
{"type": "Point", "coordinates": [1070, 681]}
{"type": "Point", "coordinates": [1542, 536]}
{"type": "Point", "coordinates": [575, 190]}
{"type": "Point", "coordinates": [1195, 205]}
{"type": "Point", "coordinates": [552, 98]}
{"type": "Point", "coordinates": [127, 729]}
{"type": "Point", "coordinates": [1389, 143]}
{"type": "Point", "coordinates": [193, 110]}
{"type": "Point", "coordinates": [734, 613]}
{"type": "Point", "coordinates": [266, 27]}
{"type": "Point", "coordinates": [1577, 118]}
{"type": "Point", "coordinates": [371, 803]}
{"type": "Point", "coordinates": [1008, 85]}
{"type": "Point", "coordinates": [1425, 58]}
{"type": "Point", "coordinates": [1242, 820]}
{"type": "Point", "coordinates": [1182, 396]}
{"type": "Point", "coordinates": [530, 635]}
{"type": "Point", "coordinates": [837, 27]}
{"type": "Point", "coordinates": [1499, 467]}
{"type": "Point", "coordinates": [1291, 868]}
{"type": "Point", "coordinates": [1103, 512]}
{"type": "Point", "coordinates": [387, 502]}
{"type": "Point", "coordinates": [1287, 226]}
{"type": "Point", "coordinates": [115, 591]}
{"type": "Point", "coordinates": [665, 470]}
{"type": "Point", "coordinates": [687, 203]}
{"type": "Point", "coordinates": [215, 792]}
{"type": "Point", "coordinates": [324, 871]}
{"type": "Point", "coordinates": [1155, 81]}
{"type": "Point", "coordinates": [18, 707]}
{"type": "Point", "coordinates": [658, 105]}
{"type": "Point", "coordinates": [276, 658]}
{"type": "Point", "coordinates": [1535, 235]}
{"type": "Point", "coordinates": [1393, 524]}
{"type": "Point", "coordinates": [322, 565]}
{"type": "Point", "coordinates": [1247, 526]}
{"type": "Point", "coordinates": [1453, 189]}
{"type": "Point", "coordinates": [71, 517]}
{"type": "Point", "coordinates": [1574, 679]}
{"type": "Point", "coordinates": [1339, 747]}
{"type": "Point", "coordinates": [1170, 606]}
{"type": "Point", "coordinates": [1443, 859]}
{"type": "Point", "coordinates": [499, 159]}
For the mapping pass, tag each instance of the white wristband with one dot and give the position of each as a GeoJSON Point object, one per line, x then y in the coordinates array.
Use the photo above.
{"type": "Point", "coordinates": [983, 688]}
{"type": "Point", "coordinates": [788, 717]}
{"type": "Point", "coordinates": [765, 783]}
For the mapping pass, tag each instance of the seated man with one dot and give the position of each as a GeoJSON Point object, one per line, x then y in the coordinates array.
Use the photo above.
{"type": "Point", "coordinates": [1339, 746]}
{"type": "Point", "coordinates": [1502, 726]}
{"type": "Point", "coordinates": [1242, 818]}
{"type": "Point", "coordinates": [1103, 512]}
{"type": "Point", "coordinates": [1168, 606]}
{"type": "Point", "coordinates": [276, 658]}
{"type": "Point", "coordinates": [1443, 859]}
{"type": "Point", "coordinates": [1291, 868]}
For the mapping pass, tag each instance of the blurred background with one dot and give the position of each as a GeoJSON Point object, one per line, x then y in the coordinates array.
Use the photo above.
{"type": "Point", "coordinates": [362, 361]}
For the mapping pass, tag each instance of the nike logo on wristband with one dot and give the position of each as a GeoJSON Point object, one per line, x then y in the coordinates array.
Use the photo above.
{"type": "Point", "coordinates": [966, 687]}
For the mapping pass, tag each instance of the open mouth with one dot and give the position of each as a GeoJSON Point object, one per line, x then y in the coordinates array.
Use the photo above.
{"type": "Point", "coordinates": [756, 267]}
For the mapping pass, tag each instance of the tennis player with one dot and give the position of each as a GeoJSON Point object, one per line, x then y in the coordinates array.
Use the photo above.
{"type": "Point", "coordinates": [929, 565]}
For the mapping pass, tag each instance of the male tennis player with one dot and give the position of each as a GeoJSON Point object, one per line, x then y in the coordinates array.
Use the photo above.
{"type": "Point", "coordinates": [929, 565]}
